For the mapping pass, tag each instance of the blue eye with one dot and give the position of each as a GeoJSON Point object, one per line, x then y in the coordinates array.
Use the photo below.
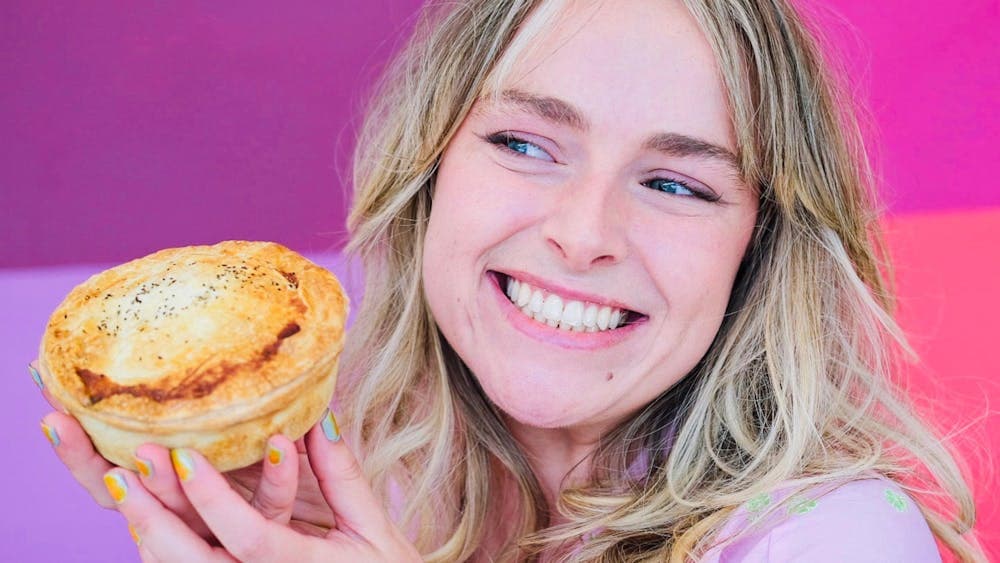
{"type": "Point", "coordinates": [506, 141]}
{"type": "Point", "coordinates": [677, 187]}
{"type": "Point", "coordinates": [670, 186]}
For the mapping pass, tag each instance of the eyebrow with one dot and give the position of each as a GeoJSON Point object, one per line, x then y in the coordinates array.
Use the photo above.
{"type": "Point", "coordinates": [677, 144]}
{"type": "Point", "coordinates": [673, 144]}
{"type": "Point", "coordinates": [550, 109]}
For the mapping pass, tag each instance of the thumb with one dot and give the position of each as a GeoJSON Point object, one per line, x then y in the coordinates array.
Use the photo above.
{"type": "Point", "coordinates": [342, 482]}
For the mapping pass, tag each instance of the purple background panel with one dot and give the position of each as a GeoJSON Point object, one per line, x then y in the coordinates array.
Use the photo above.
{"type": "Point", "coordinates": [129, 126]}
{"type": "Point", "coordinates": [46, 515]}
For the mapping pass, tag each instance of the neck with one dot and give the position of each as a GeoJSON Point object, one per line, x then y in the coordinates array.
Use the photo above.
{"type": "Point", "coordinates": [559, 457]}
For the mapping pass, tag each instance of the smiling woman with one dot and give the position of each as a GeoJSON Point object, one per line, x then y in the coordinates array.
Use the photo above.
{"type": "Point", "coordinates": [621, 211]}
{"type": "Point", "coordinates": [623, 303]}
{"type": "Point", "coordinates": [592, 204]}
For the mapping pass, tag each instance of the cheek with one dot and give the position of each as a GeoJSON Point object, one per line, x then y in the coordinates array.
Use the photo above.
{"type": "Point", "coordinates": [439, 265]}
{"type": "Point", "coordinates": [694, 262]}
{"type": "Point", "coordinates": [461, 231]}
{"type": "Point", "coordinates": [475, 209]}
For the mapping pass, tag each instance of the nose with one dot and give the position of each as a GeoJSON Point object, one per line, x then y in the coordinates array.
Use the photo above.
{"type": "Point", "coordinates": [585, 225]}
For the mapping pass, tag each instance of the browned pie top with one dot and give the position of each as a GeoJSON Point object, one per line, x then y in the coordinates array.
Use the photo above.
{"type": "Point", "coordinates": [184, 331]}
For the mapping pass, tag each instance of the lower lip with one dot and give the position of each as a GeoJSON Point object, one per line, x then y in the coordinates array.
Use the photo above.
{"type": "Point", "coordinates": [557, 336]}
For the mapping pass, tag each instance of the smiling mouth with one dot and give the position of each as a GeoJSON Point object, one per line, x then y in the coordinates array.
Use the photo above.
{"type": "Point", "coordinates": [564, 313]}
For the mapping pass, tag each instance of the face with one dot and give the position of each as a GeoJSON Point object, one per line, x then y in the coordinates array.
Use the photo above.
{"type": "Point", "coordinates": [587, 225]}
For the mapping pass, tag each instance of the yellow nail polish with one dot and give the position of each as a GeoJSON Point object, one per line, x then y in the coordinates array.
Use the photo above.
{"type": "Point", "coordinates": [135, 535]}
{"type": "Point", "coordinates": [144, 466]}
{"type": "Point", "coordinates": [183, 464]}
{"type": "Point", "coordinates": [51, 434]}
{"type": "Point", "coordinates": [274, 455]}
{"type": "Point", "coordinates": [116, 485]}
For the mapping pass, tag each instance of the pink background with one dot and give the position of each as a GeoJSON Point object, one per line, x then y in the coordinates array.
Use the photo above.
{"type": "Point", "coordinates": [129, 126]}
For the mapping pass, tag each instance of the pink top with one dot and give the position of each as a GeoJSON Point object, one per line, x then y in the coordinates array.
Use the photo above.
{"type": "Point", "coordinates": [871, 520]}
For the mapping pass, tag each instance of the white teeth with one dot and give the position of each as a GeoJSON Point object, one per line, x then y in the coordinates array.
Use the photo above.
{"type": "Point", "coordinates": [535, 304]}
{"type": "Point", "coordinates": [603, 317]}
{"type": "Point", "coordinates": [553, 307]}
{"type": "Point", "coordinates": [512, 287]}
{"type": "Point", "coordinates": [569, 315]}
{"type": "Point", "coordinates": [590, 316]}
{"type": "Point", "coordinates": [523, 295]}
{"type": "Point", "coordinates": [573, 313]}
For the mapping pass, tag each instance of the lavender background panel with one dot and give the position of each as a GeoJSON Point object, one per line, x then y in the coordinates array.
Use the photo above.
{"type": "Point", "coordinates": [46, 516]}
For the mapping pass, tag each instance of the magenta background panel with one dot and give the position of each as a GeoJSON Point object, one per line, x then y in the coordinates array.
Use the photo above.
{"type": "Point", "coordinates": [931, 74]}
{"type": "Point", "coordinates": [129, 126]}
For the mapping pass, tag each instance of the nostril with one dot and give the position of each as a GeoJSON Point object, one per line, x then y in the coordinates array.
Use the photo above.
{"type": "Point", "coordinates": [606, 259]}
{"type": "Point", "coordinates": [583, 248]}
{"type": "Point", "coordinates": [582, 258]}
{"type": "Point", "coordinates": [558, 248]}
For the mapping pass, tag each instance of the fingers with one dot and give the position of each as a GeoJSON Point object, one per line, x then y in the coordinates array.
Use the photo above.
{"type": "Point", "coordinates": [75, 450]}
{"type": "Point", "coordinates": [72, 445]}
{"type": "Point", "coordinates": [342, 482]}
{"type": "Point", "coordinates": [36, 375]}
{"type": "Point", "coordinates": [158, 477]}
{"type": "Point", "coordinates": [275, 494]}
{"type": "Point", "coordinates": [243, 531]}
{"type": "Point", "coordinates": [160, 533]}
{"type": "Point", "coordinates": [309, 505]}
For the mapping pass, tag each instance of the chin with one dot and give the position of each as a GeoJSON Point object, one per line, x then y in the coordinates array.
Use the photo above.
{"type": "Point", "coordinates": [537, 407]}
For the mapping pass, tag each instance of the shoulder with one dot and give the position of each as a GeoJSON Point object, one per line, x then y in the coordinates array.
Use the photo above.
{"type": "Point", "coordinates": [868, 520]}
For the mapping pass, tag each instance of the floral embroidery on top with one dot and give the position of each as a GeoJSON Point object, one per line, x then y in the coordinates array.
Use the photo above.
{"type": "Point", "coordinates": [759, 502]}
{"type": "Point", "coordinates": [897, 500]}
{"type": "Point", "coordinates": [801, 505]}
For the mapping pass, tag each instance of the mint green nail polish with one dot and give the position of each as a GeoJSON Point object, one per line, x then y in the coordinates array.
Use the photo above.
{"type": "Point", "coordinates": [51, 434]}
{"type": "Point", "coordinates": [330, 428]}
{"type": "Point", "coordinates": [36, 377]}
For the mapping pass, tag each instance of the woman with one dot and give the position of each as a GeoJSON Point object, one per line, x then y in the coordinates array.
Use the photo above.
{"type": "Point", "coordinates": [623, 302]}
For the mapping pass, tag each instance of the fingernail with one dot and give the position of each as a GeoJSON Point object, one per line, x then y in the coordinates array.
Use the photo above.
{"type": "Point", "coordinates": [134, 534]}
{"type": "Point", "coordinates": [144, 466]}
{"type": "Point", "coordinates": [183, 464]}
{"type": "Point", "coordinates": [330, 428]}
{"type": "Point", "coordinates": [36, 377]}
{"type": "Point", "coordinates": [274, 454]}
{"type": "Point", "coordinates": [116, 485]}
{"type": "Point", "coordinates": [51, 434]}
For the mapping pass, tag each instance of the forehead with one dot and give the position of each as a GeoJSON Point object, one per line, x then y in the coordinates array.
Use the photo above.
{"type": "Point", "coordinates": [626, 64]}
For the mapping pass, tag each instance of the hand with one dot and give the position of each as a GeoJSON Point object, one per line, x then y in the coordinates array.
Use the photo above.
{"type": "Point", "coordinates": [260, 483]}
{"type": "Point", "coordinates": [363, 532]}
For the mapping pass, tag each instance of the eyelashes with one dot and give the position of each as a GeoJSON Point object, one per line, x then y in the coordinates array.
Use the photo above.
{"type": "Point", "coordinates": [507, 141]}
{"type": "Point", "coordinates": [510, 143]}
{"type": "Point", "coordinates": [676, 186]}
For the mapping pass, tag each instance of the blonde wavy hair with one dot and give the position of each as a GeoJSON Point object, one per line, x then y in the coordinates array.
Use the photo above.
{"type": "Point", "coordinates": [795, 390]}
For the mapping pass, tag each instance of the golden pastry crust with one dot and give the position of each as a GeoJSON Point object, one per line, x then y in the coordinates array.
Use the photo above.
{"type": "Point", "coordinates": [215, 348]}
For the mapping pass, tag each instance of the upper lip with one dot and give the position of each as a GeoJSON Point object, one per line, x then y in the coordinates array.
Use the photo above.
{"type": "Point", "coordinates": [563, 291]}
